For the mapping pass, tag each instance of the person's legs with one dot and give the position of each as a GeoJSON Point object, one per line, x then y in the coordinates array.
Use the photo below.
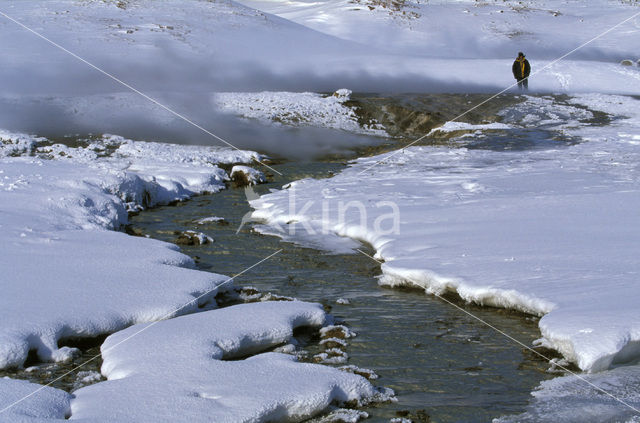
{"type": "Point", "coordinates": [525, 84]}
{"type": "Point", "coordinates": [520, 83]}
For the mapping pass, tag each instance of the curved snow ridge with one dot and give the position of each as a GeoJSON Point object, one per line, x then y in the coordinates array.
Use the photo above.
{"type": "Point", "coordinates": [586, 346]}
{"type": "Point", "coordinates": [158, 372]}
{"type": "Point", "coordinates": [433, 283]}
{"type": "Point", "coordinates": [612, 342]}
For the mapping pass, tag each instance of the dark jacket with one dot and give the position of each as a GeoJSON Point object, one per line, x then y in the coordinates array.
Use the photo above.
{"type": "Point", "coordinates": [521, 68]}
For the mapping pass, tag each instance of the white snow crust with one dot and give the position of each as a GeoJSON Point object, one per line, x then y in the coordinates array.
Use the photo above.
{"type": "Point", "coordinates": [179, 369]}
{"type": "Point", "coordinates": [47, 405]}
{"type": "Point", "coordinates": [67, 273]}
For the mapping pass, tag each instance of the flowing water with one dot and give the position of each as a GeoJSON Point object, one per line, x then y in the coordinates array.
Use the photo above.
{"type": "Point", "coordinates": [440, 362]}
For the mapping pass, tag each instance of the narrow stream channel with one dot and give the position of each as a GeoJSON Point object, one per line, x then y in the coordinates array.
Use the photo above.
{"type": "Point", "coordinates": [440, 362]}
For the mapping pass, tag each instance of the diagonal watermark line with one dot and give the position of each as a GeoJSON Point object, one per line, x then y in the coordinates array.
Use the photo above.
{"type": "Point", "coordinates": [506, 335]}
{"type": "Point", "coordinates": [548, 65]}
{"type": "Point", "coordinates": [164, 317]}
{"type": "Point", "coordinates": [119, 81]}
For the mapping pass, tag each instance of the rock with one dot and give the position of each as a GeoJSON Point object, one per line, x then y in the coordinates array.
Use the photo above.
{"type": "Point", "coordinates": [342, 94]}
{"type": "Point", "coordinates": [365, 373]}
{"type": "Point", "coordinates": [211, 220]}
{"type": "Point", "coordinates": [243, 176]}
{"type": "Point", "coordinates": [193, 238]}
{"type": "Point", "coordinates": [626, 62]}
{"type": "Point", "coordinates": [336, 331]}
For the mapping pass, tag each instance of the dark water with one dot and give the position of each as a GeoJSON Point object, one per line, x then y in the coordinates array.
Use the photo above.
{"type": "Point", "coordinates": [435, 357]}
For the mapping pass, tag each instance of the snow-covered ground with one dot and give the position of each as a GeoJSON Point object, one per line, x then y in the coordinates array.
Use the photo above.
{"type": "Point", "coordinates": [551, 229]}
{"type": "Point", "coordinates": [184, 368]}
{"type": "Point", "coordinates": [47, 405]}
{"type": "Point", "coordinates": [467, 42]}
{"type": "Point", "coordinates": [184, 52]}
{"type": "Point", "coordinates": [298, 109]}
{"type": "Point", "coordinates": [67, 273]}
{"type": "Point", "coordinates": [477, 29]}
{"type": "Point", "coordinates": [186, 361]}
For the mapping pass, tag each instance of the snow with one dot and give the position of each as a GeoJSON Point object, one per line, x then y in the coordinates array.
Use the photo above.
{"type": "Point", "coordinates": [337, 331]}
{"type": "Point", "coordinates": [211, 219]}
{"type": "Point", "coordinates": [343, 415]}
{"type": "Point", "coordinates": [468, 28]}
{"type": "Point", "coordinates": [467, 42]}
{"type": "Point", "coordinates": [570, 399]}
{"type": "Point", "coordinates": [463, 126]}
{"type": "Point", "coordinates": [184, 53]}
{"type": "Point", "coordinates": [46, 405]}
{"type": "Point", "coordinates": [16, 144]}
{"type": "Point", "coordinates": [298, 109]}
{"type": "Point", "coordinates": [550, 230]}
{"type": "Point", "coordinates": [66, 273]}
{"type": "Point", "coordinates": [332, 356]}
{"type": "Point", "coordinates": [199, 379]}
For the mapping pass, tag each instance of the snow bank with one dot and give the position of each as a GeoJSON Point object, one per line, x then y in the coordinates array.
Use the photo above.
{"type": "Point", "coordinates": [65, 274]}
{"type": "Point", "coordinates": [550, 231]}
{"type": "Point", "coordinates": [179, 369]}
{"type": "Point", "coordinates": [298, 109]}
{"type": "Point", "coordinates": [47, 405]}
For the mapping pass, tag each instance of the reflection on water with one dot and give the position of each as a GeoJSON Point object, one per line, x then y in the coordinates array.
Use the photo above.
{"type": "Point", "coordinates": [435, 357]}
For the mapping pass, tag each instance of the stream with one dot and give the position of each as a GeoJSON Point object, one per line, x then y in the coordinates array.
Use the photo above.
{"type": "Point", "coordinates": [440, 362]}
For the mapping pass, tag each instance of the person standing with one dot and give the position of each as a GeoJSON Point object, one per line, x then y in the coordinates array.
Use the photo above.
{"type": "Point", "coordinates": [521, 70]}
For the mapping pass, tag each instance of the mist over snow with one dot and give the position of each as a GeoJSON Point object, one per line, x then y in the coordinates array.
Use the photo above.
{"type": "Point", "coordinates": [182, 52]}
